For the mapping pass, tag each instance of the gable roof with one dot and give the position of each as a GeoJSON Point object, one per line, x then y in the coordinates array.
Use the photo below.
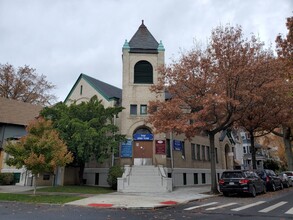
{"type": "Point", "coordinates": [143, 41]}
{"type": "Point", "coordinates": [106, 90]}
{"type": "Point", "coordinates": [17, 112]}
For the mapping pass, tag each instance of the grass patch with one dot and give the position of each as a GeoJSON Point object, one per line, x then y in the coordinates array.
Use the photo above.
{"type": "Point", "coordinates": [56, 199]}
{"type": "Point", "coordinates": [76, 189]}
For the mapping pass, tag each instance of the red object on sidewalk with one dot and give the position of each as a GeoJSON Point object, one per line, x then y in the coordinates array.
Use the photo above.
{"type": "Point", "coordinates": [170, 202]}
{"type": "Point", "coordinates": [102, 205]}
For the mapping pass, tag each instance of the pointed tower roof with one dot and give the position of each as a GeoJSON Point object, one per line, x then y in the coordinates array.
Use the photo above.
{"type": "Point", "coordinates": [143, 41]}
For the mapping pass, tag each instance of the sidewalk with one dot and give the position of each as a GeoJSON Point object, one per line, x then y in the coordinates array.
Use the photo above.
{"type": "Point", "coordinates": [180, 195]}
{"type": "Point", "coordinates": [145, 200]}
{"type": "Point", "coordinates": [15, 188]}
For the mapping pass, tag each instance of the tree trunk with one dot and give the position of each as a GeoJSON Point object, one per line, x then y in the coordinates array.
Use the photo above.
{"type": "Point", "coordinates": [80, 173]}
{"type": "Point", "coordinates": [288, 147]}
{"type": "Point", "coordinates": [214, 185]}
{"type": "Point", "coordinates": [35, 184]}
{"type": "Point", "coordinates": [253, 152]}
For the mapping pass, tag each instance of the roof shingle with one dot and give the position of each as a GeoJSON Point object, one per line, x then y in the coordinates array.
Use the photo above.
{"type": "Point", "coordinates": [17, 112]}
{"type": "Point", "coordinates": [143, 41]}
{"type": "Point", "coordinates": [106, 89]}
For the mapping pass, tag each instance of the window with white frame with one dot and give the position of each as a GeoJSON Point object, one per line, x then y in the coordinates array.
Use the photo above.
{"type": "Point", "coordinates": [143, 109]}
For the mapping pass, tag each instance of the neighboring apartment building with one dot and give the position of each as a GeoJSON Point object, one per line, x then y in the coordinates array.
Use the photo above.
{"type": "Point", "coordinates": [241, 149]}
{"type": "Point", "coordinates": [261, 154]}
{"type": "Point", "coordinates": [186, 162]}
{"type": "Point", "coordinates": [14, 116]}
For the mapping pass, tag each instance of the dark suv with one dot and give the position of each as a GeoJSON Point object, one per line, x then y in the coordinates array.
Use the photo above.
{"type": "Point", "coordinates": [273, 182]}
{"type": "Point", "coordinates": [241, 181]}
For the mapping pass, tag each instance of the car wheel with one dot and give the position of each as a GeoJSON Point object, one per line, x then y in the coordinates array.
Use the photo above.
{"type": "Point", "coordinates": [273, 187]}
{"type": "Point", "coordinates": [253, 192]}
{"type": "Point", "coordinates": [226, 194]}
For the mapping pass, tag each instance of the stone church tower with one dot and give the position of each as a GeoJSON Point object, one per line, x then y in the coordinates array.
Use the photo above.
{"type": "Point", "coordinates": [141, 57]}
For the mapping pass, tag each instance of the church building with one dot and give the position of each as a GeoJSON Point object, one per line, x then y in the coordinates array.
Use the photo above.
{"type": "Point", "coordinates": [152, 162]}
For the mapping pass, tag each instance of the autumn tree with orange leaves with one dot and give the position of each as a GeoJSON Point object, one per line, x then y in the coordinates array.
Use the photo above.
{"type": "Point", "coordinates": [266, 101]}
{"type": "Point", "coordinates": [40, 151]}
{"type": "Point", "coordinates": [284, 48]}
{"type": "Point", "coordinates": [274, 145]}
{"type": "Point", "coordinates": [25, 84]}
{"type": "Point", "coordinates": [208, 87]}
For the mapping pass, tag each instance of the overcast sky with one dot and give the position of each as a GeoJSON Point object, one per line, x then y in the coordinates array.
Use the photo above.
{"type": "Point", "coordinates": [63, 38]}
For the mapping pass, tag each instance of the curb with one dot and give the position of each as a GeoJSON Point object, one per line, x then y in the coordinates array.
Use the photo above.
{"type": "Point", "coordinates": [163, 204]}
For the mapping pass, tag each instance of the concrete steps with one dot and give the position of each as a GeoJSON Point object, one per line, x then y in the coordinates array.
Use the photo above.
{"type": "Point", "coordinates": [144, 179]}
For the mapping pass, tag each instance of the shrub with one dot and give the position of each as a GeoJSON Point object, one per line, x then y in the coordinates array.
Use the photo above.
{"type": "Point", "coordinates": [272, 164]}
{"type": "Point", "coordinates": [114, 173]}
{"type": "Point", "coordinates": [6, 178]}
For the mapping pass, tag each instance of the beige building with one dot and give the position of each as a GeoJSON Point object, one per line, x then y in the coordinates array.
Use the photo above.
{"type": "Point", "coordinates": [185, 162]}
{"type": "Point", "coordinates": [14, 117]}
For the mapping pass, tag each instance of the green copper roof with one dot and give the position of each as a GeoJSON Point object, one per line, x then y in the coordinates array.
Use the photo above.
{"type": "Point", "coordinates": [161, 47]}
{"type": "Point", "coordinates": [126, 45]}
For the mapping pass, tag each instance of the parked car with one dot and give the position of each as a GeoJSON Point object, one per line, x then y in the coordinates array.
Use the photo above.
{"type": "Point", "coordinates": [273, 182]}
{"type": "Point", "coordinates": [289, 174]}
{"type": "Point", "coordinates": [240, 182]}
{"type": "Point", "coordinates": [286, 180]}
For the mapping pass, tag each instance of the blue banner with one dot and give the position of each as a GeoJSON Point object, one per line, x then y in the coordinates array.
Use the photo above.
{"type": "Point", "coordinates": [143, 137]}
{"type": "Point", "coordinates": [177, 145]}
{"type": "Point", "coordinates": [126, 148]}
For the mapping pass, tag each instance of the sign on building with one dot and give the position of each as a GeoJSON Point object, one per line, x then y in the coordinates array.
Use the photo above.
{"type": "Point", "coordinates": [143, 137]}
{"type": "Point", "coordinates": [177, 145]}
{"type": "Point", "coordinates": [126, 148]}
{"type": "Point", "coordinates": [160, 147]}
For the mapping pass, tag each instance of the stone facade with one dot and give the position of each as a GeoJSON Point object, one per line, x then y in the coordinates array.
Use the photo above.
{"type": "Point", "coordinates": [189, 163]}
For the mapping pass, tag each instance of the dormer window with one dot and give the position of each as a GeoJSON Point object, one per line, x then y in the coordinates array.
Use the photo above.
{"type": "Point", "coordinates": [143, 72]}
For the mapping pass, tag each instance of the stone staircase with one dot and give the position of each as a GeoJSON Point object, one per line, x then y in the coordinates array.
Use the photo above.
{"type": "Point", "coordinates": [144, 179]}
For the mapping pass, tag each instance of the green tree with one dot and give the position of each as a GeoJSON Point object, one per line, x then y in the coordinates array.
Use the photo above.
{"type": "Point", "coordinates": [41, 150]}
{"type": "Point", "coordinates": [87, 129]}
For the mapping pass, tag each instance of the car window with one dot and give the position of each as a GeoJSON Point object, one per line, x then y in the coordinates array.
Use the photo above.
{"type": "Point", "coordinates": [232, 175]}
{"type": "Point", "coordinates": [250, 174]}
{"type": "Point", "coordinates": [255, 175]}
{"type": "Point", "coordinates": [261, 173]}
{"type": "Point", "coordinates": [269, 172]}
{"type": "Point", "coordinates": [289, 174]}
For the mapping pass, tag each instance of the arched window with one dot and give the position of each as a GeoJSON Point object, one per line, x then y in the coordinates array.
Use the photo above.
{"type": "Point", "coordinates": [143, 72]}
{"type": "Point", "coordinates": [142, 130]}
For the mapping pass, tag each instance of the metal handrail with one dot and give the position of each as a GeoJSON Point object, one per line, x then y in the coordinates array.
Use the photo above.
{"type": "Point", "coordinates": [162, 175]}
{"type": "Point", "coordinates": [128, 175]}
